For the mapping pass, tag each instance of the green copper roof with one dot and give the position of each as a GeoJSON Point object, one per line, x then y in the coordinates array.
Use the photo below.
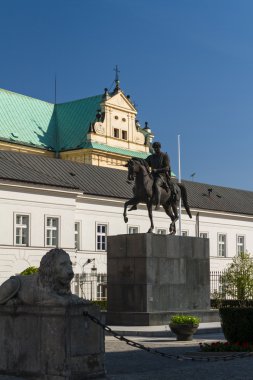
{"type": "Point", "coordinates": [26, 120]}
{"type": "Point", "coordinates": [58, 127]}
{"type": "Point", "coordinates": [73, 119]}
{"type": "Point", "coordinates": [113, 149]}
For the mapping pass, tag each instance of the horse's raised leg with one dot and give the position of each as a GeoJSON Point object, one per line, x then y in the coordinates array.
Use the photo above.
{"type": "Point", "coordinates": [150, 214]}
{"type": "Point", "coordinates": [132, 201]}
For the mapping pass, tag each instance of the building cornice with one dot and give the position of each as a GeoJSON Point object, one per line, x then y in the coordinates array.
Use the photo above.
{"type": "Point", "coordinates": [203, 212]}
{"type": "Point", "coordinates": [17, 185]}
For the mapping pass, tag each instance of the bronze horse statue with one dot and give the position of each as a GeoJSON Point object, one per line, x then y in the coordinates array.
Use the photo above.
{"type": "Point", "coordinates": [138, 170]}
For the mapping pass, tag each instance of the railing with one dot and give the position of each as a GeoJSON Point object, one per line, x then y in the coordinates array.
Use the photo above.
{"type": "Point", "coordinates": [94, 286]}
{"type": "Point", "coordinates": [90, 286]}
{"type": "Point", "coordinates": [218, 287]}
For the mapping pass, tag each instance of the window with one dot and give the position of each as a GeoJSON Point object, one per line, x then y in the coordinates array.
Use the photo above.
{"type": "Point", "coordinates": [203, 235]}
{"type": "Point", "coordinates": [102, 287]}
{"type": "Point", "coordinates": [133, 230]}
{"type": "Point", "coordinates": [52, 231]}
{"type": "Point", "coordinates": [222, 245]}
{"type": "Point", "coordinates": [124, 135]}
{"type": "Point", "coordinates": [240, 244]}
{"type": "Point", "coordinates": [123, 119]}
{"type": "Point", "coordinates": [101, 237]}
{"type": "Point", "coordinates": [184, 233]}
{"type": "Point", "coordinates": [116, 133]}
{"type": "Point", "coordinates": [161, 231]}
{"type": "Point", "coordinates": [77, 235]}
{"type": "Point", "coordinates": [21, 229]}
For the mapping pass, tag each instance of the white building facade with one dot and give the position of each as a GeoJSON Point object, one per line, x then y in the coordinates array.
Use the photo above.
{"type": "Point", "coordinates": [36, 218]}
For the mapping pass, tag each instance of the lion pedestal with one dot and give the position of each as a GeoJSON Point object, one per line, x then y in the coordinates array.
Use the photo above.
{"type": "Point", "coordinates": [51, 343]}
{"type": "Point", "coordinates": [44, 334]}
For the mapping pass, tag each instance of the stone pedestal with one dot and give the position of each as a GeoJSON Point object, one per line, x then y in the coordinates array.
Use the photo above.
{"type": "Point", "coordinates": [51, 343]}
{"type": "Point", "coordinates": [153, 276]}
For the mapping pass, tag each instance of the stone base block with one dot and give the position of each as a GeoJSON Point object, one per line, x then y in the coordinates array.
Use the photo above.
{"type": "Point", "coordinates": [51, 343]}
{"type": "Point", "coordinates": [149, 275]}
{"type": "Point", "coordinates": [156, 318]}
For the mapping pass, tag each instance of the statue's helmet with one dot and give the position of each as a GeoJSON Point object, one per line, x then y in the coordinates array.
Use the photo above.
{"type": "Point", "coordinates": [156, 144]}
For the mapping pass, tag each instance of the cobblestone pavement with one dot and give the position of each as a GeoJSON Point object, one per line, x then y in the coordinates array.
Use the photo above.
{"type": "Point", "coordinates": [124, 362]}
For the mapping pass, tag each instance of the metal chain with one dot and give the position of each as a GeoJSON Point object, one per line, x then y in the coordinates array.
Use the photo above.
{"type": "Point", "coordinates": [157, 352]}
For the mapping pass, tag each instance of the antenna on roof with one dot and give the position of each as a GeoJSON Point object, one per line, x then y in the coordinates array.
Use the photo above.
{"type": "Point", "coordinates": [56, 124]}
{"type": "Point", "coordinates": [55, 89]}
{"type": "Point", "coordinates": [192, 176]}
{"type": "Point", "coordinates": [116, 78]}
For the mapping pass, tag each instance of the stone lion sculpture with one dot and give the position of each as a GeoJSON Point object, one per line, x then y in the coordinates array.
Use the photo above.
{"type": "Point", "coordinates": [51, 285]}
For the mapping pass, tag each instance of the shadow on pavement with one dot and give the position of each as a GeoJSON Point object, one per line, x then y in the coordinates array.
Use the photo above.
{"type": "Point", "coordinates": [125, 363]}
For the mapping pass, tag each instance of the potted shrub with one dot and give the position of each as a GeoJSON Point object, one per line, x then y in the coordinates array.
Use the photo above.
{"type": "Point", "coordinates": [184, 326]}
{"type": "Point", "coordinates": [236, 323]}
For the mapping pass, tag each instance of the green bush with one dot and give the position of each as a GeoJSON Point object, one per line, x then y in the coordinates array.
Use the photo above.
{"type": "Point", "coordinates": [237, 281]}
{"type": "Point", "coordinates": [184, 319]}
{"type": "Point", "coordinates": [237, 323]}
{"type": "Point", "coordinates": [102, 304]}
{"type": "Point", "coordinates": [29, 270]}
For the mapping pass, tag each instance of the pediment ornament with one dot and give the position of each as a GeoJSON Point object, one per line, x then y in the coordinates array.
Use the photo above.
{"type": "Point", "coordinates": [99, 128]}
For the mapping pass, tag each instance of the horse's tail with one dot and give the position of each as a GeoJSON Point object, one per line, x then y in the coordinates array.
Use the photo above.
{"type": "Point", "coordinates": [184, 199]}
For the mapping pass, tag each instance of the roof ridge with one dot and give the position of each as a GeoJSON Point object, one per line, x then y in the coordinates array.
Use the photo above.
{"type": "Point", "coordinates": [48, 102]}
{"type": "Point", "coordinates": [79, 100]}
{"type": "Point", "coordinates": [26, 96]}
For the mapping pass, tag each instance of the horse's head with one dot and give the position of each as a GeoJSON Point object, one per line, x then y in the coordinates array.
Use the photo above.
{"type": "Point", "coordinates": [131, 165]}
{"type": "Point", "coordinates": [135, 166]}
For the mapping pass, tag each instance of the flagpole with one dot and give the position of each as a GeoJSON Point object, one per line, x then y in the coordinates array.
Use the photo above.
{"type": "Point", "coordinates": [179, 180]}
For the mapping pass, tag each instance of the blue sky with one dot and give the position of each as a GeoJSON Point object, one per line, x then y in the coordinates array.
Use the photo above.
{"type": "Point", "coordinates": [187, 64]}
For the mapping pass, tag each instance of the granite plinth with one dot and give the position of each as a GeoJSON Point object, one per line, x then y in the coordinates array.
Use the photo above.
{"type": "Point", "coordinates": [150, 275]}
{"type": "Point", "coordinates": [51, 343]}
{"type": "Point", "coordinates": [156, 318]}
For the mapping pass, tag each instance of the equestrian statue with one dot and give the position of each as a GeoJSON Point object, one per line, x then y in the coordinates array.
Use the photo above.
{"type": "Point", "coordinates": [155, 187]}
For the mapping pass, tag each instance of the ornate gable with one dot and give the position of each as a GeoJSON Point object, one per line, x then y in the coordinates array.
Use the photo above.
{"type": "Point", "coordinates": [117, 127]}
{"type": "Point", "coordinates": [121, 102]}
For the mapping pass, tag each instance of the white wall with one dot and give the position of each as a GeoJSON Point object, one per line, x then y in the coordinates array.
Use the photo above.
{"type": "Point", "coordinates": [231, 225]}
{"type": "Point", "coordinates": [37, 203]}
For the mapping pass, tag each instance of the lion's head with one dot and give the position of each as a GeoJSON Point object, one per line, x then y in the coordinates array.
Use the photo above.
{"type": "Point", "coordinates": [55, 271]}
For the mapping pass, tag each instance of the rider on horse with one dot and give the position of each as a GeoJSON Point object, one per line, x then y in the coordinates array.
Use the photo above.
{"type": "Point", "coordinates": [161, 172]}
{"type": "Point", "coordinates": [147, 187]}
